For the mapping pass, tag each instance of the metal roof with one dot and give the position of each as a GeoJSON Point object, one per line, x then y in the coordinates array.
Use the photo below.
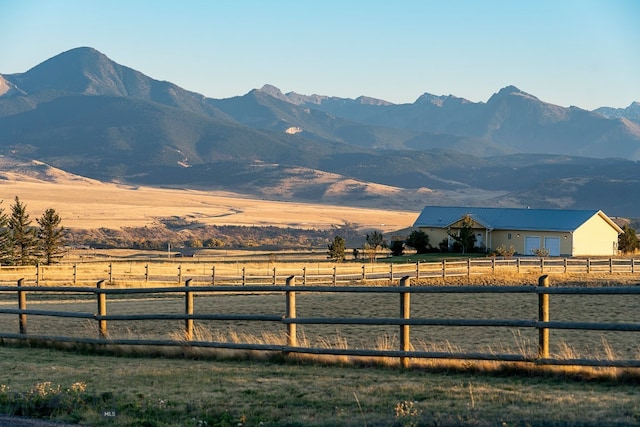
{"type": "Point", "coordinates": [509, 218]}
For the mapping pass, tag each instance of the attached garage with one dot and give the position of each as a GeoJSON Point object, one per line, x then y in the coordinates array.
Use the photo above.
{"type": "Point", "coordinates": [531, 243]}
{"type": "Point", "coordinates": [561, 232]}
{"type": "Point", "coordinates": [552, 244]}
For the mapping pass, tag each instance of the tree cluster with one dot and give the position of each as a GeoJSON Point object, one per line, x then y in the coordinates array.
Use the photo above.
{"type": "Point", "coordinates": [373, 242]}
{"type": "Point", "coordinates": [21, 243]}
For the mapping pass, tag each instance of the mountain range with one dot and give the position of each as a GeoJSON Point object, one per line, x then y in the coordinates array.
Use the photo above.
{"type": "Point", "coordinates": [81, 112]}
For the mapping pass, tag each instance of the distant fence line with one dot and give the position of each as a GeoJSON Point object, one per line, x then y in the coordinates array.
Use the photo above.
{"type": "Point", "coordinates": [322, 273]}
{"type": "Point", "coordinates": [289, 318]}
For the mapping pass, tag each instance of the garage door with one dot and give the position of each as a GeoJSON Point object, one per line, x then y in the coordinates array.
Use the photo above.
{"type": "Point", "coordinates": [531, 243]}
{"type": "Point", "coordinates": [552, 244]}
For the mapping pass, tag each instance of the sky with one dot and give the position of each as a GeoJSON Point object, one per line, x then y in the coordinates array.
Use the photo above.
{"type": "Point", "coordinates": [584, 53]}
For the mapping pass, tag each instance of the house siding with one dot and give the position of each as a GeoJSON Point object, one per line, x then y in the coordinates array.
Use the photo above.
{"type": "Point", "coordinates": [595, 237]}
{"type": "Point", "coordinates": [568, 233]}
{"type": "Point", "coordinates": [518, 237]}
{"type": "Point", "coordinates": [496, 238]}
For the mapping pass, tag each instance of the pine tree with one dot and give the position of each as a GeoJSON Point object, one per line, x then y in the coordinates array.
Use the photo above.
{"type": "Point", "coordinates": [336, 249]}
{"type": "Point", "coordinates": [628, 240]}
{"type": "Point", "coordinates": [465, 236]}
{"type": "Point", "coordinates": [418, 240]}
{"type": "Point", "coordinates": [50, 236]}
{"type": "Point", "coordinates": [22, 235]}
{"type": "Point", "coordinates": [6, 243]}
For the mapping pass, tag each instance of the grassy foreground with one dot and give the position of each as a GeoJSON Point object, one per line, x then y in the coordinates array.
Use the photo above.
{"type": "Point", "coordinates": [103, 390]}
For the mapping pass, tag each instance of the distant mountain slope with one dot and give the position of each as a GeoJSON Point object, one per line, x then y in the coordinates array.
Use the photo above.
{"type": "Point", "coordinates": [85, 71]}
{"type": "Point", "coordinates": [268, 108]}
{"type": "Point", "coordinates": [632, 112]}
{"type": "Point", "coordinates": [510, 121]}
{"type": "Point", "coordinates": [83, 113]}
{"type": "Point", "coordinates": [109, 137]}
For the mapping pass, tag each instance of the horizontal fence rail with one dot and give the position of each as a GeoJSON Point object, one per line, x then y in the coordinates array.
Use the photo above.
{"type": "Point", "coordinates": [322, 273]}
{"type": "Point", "coordinates": [289, 318]}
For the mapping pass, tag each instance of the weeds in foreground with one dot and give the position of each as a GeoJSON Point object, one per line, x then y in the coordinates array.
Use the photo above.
{"type": "Point", "coordinates": [75, 404]}
{"type": "Point", "coordinates": [406, 413]}
{"type": "Point", "coordinates": [522, 346]}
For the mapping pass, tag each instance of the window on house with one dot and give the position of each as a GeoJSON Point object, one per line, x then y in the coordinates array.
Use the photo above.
{"type": "Point", "coordinates": [508, 236]}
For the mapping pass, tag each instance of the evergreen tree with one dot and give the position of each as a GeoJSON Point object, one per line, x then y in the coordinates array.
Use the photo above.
{"type": "Point", "coordinates": [336, 249]}
{"type": "Point", "coordinates": [628, 241]}
{"type": "Point", "coordinates": [22, 235]}
{"type": "Point", "coordinates": [465, 236]}
{"type": "Point", "coordinates": [397, 247]}
{"type": "Point", "coordinates": [6, 244]}
{"type": "Point", "coordinates": [50, 236]}
{"type": "Point", "coordinates": [418, 240]}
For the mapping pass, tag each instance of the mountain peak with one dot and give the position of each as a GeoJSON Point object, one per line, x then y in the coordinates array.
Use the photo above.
{"type": "Point", "coordinates": [271, 90]}
{"type": "Point", "coordinates": [439, 101]}
{"type": "Point", "coordinates": [510, 91]}
{"type": "Point", "coordinates": [366, 100]}
{"type": "Point", "coordinates": [80, 70]}
{"type": "Point", "coordinates": [274, 92]}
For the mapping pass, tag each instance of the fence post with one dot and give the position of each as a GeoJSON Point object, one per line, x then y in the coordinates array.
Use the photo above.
{"type": "Point", "coordinates": [610, 265]}
{"type": "Point", "coordinates": [468, 267]}
{"type": "Point", "coordinates": [75, 274]}
{"type": "Point", "coordinates": [588, 265]}
{"type": "Point", "coordinates": [179, 273]}
{"type": "Point", "coordinates": [274, 276]}
{"type": "Point", "coordinates": [444, 268]}
{"type": "Point", "coordinates": [102, 310]}
{"type": "Point", "coordinates": [493, 265]}
{"type": "Point", "coordinates": [417, 269]}
{"type": "Point", "coordinates": [110, 273]}
{"type": "Point", "coordinates": [364, 273]}
{"type": "Point", "coordinates": [37, 274]}
{"type": "Point", "coordinates": [22, 305]}
{"type": "Point", "coordinates": [146, 272]}
{"type": "Point", "coordinates": [541, 265]}
{"type": "Point", "coordinates": [292, 337]}
{"type": "Point", "coordinates": [565, 265]}
{"type": "Point", "coordinates": [405, 314]}
{"type": "Point", "coordinates": [244, 277]}
{"type": "Point", "coordinates": [543, 316]}
{"type": "Point", "coordinates": [391, 273]}
{"type": "Point", "coordinates": [632, 264]}
{"type": "Point", "coordinates": [188, 311]}
{"type": "Point", "coordinates": [213, 275]}
{"type": "Point", "coordinates": [304, 275]}
{"type": "Point", "coordinates": [518, 264]}
{"type": "Point", "coordinates": [334, 275]}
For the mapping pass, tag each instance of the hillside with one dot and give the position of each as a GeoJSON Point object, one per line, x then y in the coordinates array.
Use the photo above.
{"type": "Point", "coordinates": [86, 204]}
{"type": "Point", "coordinates": [89, 116]}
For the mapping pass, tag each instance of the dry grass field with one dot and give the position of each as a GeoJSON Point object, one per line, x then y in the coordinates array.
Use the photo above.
{"type": "Point", "coordinates": [132, 391]}
{"type": "Point", "coordinates": [89, 204]}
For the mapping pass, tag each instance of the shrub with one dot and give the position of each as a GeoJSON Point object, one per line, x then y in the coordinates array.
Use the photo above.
{"type": "Point", "coordinates": [540, 252]}
{"type": "Point", "coordinates": [397, 247]}
{"type": "Point", "coordinates": [503, 251]}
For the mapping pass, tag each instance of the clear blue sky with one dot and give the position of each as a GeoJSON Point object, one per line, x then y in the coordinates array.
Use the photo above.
{"type": "Point", "coordinates": [566, 52]}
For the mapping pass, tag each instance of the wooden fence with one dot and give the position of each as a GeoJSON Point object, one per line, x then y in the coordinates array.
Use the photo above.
{"type": "Point", "coordinates": [289, 319]}
{"type": "Point", "coordinates": [322, 273]}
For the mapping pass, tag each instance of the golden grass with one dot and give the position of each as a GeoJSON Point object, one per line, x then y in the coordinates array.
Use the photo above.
{"type": "Point", "coordinates": [88, 204]}
{"type": "Point", "coordinates": [390, 342]}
